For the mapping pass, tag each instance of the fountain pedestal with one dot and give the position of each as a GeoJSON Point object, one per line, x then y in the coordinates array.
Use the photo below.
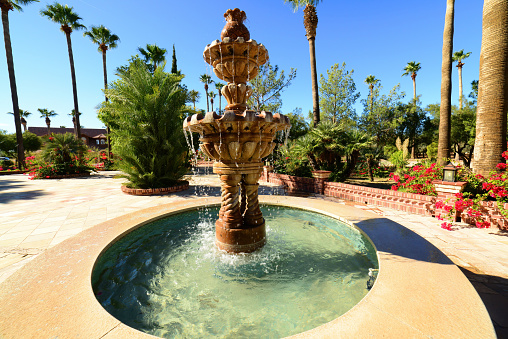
{"type": "Point", "coordinates": [239, 139]}
{"type": "Point", "coordinates": [241, 226]}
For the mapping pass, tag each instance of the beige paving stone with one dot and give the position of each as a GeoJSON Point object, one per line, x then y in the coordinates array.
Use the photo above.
{"type": "Point", "coordinates": [11, 242]}
{"type": "Point", "coordinates": [21, 227]}
{"type": "Point", "coordinates": [43, 244]}
{"type": "Point", "coordinates": [15, 235]}
{"type": "Point", "coordinates": [40, 236]}
{"type": "Point", "coordinates": [72, 225]}
{"type": "Point", "coordinates": [44, 230]}
{"type": "Point", "coordinates": [68, 233]}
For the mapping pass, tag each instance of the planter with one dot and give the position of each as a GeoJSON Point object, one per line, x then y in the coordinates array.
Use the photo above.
{"type": "Point", "coordinates": [181, 186]}
{"type": "Point", "coordinates": [66, 176]}
{"type": "Point", "coordinates": [321, 174]}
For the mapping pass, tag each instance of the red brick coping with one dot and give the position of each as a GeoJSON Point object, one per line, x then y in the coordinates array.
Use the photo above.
{"type": "Point", "coordinates": [402, 201]}
{"type": "Point", "coordinates": [66, 176]}
{"type": "Point", "coordinates": [12, 172]}
{"type": "Point", "coordinates": [182, 186]}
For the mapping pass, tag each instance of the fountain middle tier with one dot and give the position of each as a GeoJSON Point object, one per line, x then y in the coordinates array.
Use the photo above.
{"type": "Point", "coordinates": [238, 141]}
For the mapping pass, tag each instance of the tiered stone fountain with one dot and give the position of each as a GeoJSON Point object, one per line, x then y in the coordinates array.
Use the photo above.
{"type": "Point", "coordinates": [239, 139]}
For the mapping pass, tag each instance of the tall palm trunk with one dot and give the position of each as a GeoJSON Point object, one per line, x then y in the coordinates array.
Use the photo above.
{"type": "Point", "coordinates": [310, 21]}
{"type": "Point", "coordinates": [315, 89]}
{"type": "Point", "coordinates": [14, 90]}
{"type": "Point", "coordinates": [371, 87]}
{"type": "Point", "coordinates": [459, 68]}
{"type": "Point", "coordinates": [77, 125]}
{"type": "Point", "coordinates": [413, 76]}
{"type": "Point", "coordinates": [490, 139]}
{"type": "Point", "coordinates": [23, 122]}
{"type": "Point", "coordinates": [108, 131]}
{"type": "Point", "coordinates": [220, 102]}
{"type": "Point", "coordinates": [443, 147]}
{"type": "Point", "coordinates": [48, 123]}
{"type": "Point", "coordinates": [207, 104]}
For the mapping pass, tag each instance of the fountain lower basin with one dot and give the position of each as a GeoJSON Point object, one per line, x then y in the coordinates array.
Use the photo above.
{"type": "Point", "coordinates": [419, 292]}
{"type": "Point", "coordinates": [169, 279]}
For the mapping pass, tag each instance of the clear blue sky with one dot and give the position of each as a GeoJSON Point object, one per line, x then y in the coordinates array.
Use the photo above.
{"type": "Point", "coordinates": [372, 37]}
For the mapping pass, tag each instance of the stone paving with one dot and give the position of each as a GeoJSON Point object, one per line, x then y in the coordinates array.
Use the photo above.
{"type": "Point", "coordinates": [36, 215]}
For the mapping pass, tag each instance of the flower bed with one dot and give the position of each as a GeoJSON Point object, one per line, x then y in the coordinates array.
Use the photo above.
{"type": "Point", "coordinates": [182, 186]}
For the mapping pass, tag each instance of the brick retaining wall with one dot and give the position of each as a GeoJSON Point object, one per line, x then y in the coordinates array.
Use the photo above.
{"type": "Point", "coordinates": [408, 202]}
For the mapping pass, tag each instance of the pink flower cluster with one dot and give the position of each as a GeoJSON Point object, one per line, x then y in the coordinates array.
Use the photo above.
{"type": "Point", "coordinates": [418, 181]}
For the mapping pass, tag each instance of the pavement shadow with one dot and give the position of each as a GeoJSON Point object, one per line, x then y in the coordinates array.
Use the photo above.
{"type": "Point", "coordinates": [6, 197]}
{"type": "Point", "coordinates": [7, 184]}
{"type": "Point", "coordinates": [391, 237]}
{"type": "Point", "coordinates": [494, 293]}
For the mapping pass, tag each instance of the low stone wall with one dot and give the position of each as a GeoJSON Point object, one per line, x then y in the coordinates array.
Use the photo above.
{"type": "Point", "coordinates": [408, 202]}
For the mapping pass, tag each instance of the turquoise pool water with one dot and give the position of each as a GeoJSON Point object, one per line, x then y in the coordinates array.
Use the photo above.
{"type": "Point", "coordinates": [168, 279]}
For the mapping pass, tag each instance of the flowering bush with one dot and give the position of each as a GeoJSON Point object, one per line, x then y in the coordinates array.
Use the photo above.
{"type": "Point", "coordinates": [61, 156]}
{"type": "Point", "coordinates": [461, 202]}
{"type": "Point", "coordinates": [418, 180]}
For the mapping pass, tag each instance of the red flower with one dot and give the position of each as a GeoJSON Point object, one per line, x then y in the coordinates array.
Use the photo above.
{"type": "Point", "coordinates": [446, 226]}
{"type": "Point", "coordinates": [501, 166]}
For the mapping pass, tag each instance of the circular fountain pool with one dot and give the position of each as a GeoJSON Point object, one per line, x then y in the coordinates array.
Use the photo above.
{"type": "Point", "coordinates": [168, 279]}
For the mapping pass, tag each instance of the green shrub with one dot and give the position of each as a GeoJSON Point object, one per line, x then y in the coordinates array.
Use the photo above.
{"type": "Point", "coordinates": [145, 112]}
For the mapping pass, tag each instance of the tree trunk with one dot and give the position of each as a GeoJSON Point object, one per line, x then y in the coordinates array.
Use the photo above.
{"type": "Point", "coordinates": [443, 150]}
{"type": "Point", "coordinates": [108, 131]}
{"type": "Point", "coordinates": [371, 87]}
{"type": "Point", "coordinates": [315, 89]}
{"type": "Point", "coordinates": [77, 125]}
{"type": "Point", "coordinates": [207, 104]}
{"type": "Point", "coordinates": [413, 76]}
{"type": "Point", "coordinates": [48, 123]}
{"type": "Point", "coordinates": [459, 68]}
{"type": "Point", "coordinates": [370, 160]}
{"type": "Point", "coordinates": [490, 139]}
{"type": "Point", "coordinates": [14, 90]}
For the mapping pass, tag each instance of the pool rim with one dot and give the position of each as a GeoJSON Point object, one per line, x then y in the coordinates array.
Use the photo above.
{"type": "Point", "coordinates": [52, 295]}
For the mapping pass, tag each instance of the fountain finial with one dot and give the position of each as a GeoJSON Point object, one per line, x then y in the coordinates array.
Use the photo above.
{"type": "Point", "coordinates": [234, 27]}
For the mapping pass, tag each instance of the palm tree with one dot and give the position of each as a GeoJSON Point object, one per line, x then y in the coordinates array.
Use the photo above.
{"type": "Point", "coordinates": [445, 115]}
{"type": "Point", "coordinates": [45, 113]}
{"type": "Point", "coordinates": [218, 87]}
{"type": "Point", "coordinates": [459, 56]}
{"type": "Point", "coordinates": [206, 79]}
{"type": "Point", "coordinates": [212, 96]}
{"type": "Point", "coordinates": [5, 7]}
{"type": "Point", "coordinates": [490, 139]}
{"type": "Point", "coordinates": [193, 97]}
{"type": "Point", "coordinates": [153, 54]}
{"type": "Point", "coordinates": [23, 114]}
{"type": "Point", "coordinates": [371, 81]}
{"type": "Point", "coordinates": [310, 21]}
{"type": "Point", "coordinates": [68, 21]}
{"type": "Point", "coordinates": [103, 37]}
{"type": "Point", "coordinates": [412, 68]}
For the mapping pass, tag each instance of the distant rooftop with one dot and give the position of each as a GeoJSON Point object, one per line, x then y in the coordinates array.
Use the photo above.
{"type": "Point", "coordinates": [88, 132]}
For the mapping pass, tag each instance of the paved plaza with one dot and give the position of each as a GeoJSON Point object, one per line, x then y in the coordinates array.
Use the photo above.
{"type": "Point", "coordinates": [36, 215]}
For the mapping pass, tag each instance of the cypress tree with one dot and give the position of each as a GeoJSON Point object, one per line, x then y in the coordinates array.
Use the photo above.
{"type": "Point", "coordinates": [174, 68]}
